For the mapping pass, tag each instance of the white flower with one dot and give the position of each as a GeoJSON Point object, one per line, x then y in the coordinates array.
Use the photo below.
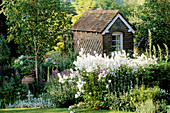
{"type": "Point", "coordinates": [18, 93]}
{"type": "Point", "coordinates": [78, 105]}
{"type": "Point", "coordinates": [71, 111]}
{"type": "Point", "coordinates": [76, 95]}
{"type": "Point", "coordinates": [89, 69]}
{"type": "Point", "coordinates": [72, 75]}
{"type": "Point", "coordinates": [100, 76]}
{"type": "Point", "coordinates": [61, 80]}
{"type": "Point", "coordinates": [21, 62]}
{"type": "Point", "coordinates": [65, 77]}
{"type": "Point", "coordinates": [109, 81]}
{"type": "Point", "coordinates": [107, 86]}
{"type": "Point", "coordinates": [71, 70]}
{"type": "Point", "coordinates": [81, 49]}
{"type": "Point", "coordinates": [70, 107]}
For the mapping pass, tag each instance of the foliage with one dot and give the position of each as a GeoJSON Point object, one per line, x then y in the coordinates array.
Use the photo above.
{"type": "Point", "coordinates": [24, 65]}
{"type": "Point", "coordinates": [158, 75]}
{"type": "Point", "coordinates": [155, 16]}
{"type": "Point", "coordinates": [129, 8]}
{"type": "Point", "coordinates": [62, 94]}
{"type": "Point", "coordinates": [114, 102]}
{"type": "Point", "coordinates": [59, 60]}
{"type": "Point", "coordinates": [139, 95]}
{"type": "Point", "coordinates": [42, 102]}
{"type": "Point", "coordinates": [167, 53]}
{"type": "Point", "coordinates": [147, 107]}
{"type": "Point", "coordinates": [108, 4]}
{"type": "Point", "coordinates": [139, 100]}
{"type": "Point", "coordinates": [161, 106]}
{"type": "Point", "coordinates": [97, 75]}
{"type": "Point", "coordinates": [4, 51]}
{"type": "Point", "coordinates": [81, 6]}
{"type": "Point", "coordinates": [148, 100]}
{"type": "Point", "coordinates": [132, 9]}
{"type": "Point", "coordinates": [36, 25]}
{"type": "Point", "coordinates": [113, 5]}
{"type": "Point", "coordinates": [9, 90]}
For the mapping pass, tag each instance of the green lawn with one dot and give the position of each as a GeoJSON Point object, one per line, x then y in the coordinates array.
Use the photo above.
{"type": "Point", "coordinates": [54, 110]}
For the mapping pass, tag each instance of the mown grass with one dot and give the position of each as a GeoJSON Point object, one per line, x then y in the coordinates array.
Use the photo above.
{"type": "Point", "coordinates": [59, 110]}
{"type": "Point", "coordinates": [54, 110]}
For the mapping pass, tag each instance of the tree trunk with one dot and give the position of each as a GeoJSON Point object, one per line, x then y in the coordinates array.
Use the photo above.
{"type": "Point", "coordinates": [36, 68]}
{"type": "Point", "coordinates": [36, 61]}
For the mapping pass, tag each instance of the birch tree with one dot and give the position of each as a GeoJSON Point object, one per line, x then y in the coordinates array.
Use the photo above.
{"type": "Point", "coordinates": [36, 24]}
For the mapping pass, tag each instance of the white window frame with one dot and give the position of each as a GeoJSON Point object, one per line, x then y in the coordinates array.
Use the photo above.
{"type": "Point", "coordinates": [121, 39]}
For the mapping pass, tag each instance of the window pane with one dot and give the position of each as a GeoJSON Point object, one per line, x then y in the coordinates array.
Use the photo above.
{"type": "Point", "coordinates": [113, 49]}
{"type": "Point", "coordinates": [118, 37]}
{"type": "Point", "coordinates": [118, 48]}
{"type": "Point", "coordinates": [114, 37]}
{"type": "Point", "coordinates": [113, 43]}
{"type": "Point", "coordinates": [118, 43]}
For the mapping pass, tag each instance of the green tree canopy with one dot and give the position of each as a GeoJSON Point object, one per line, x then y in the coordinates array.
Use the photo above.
{"type": "Point", "coordinates": [4, 51]}
{"type": "Point", "coordinates": [129, 8]}
{"type": "Point", "coordinates": [155, 16]}
{"type": "Point", "coordinates": [81, 6]}
{"type": "Point", "coordinates": [36, 24]}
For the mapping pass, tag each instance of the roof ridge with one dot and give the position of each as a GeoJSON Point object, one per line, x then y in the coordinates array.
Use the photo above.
{"type": "Point", "coordinates": [99, 11]}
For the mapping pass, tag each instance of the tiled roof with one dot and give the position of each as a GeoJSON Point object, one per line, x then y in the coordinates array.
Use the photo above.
{"type": "Point", "coordinates": [94, 21]}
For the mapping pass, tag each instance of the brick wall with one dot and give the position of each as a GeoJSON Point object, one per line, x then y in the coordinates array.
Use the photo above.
{"type": "Point", "coordinates": [102, 44]}
{"type": "Point", "coordinates": [118, 26]}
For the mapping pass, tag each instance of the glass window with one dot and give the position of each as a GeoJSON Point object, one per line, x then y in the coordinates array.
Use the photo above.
{"type": "Point", "coordinates": [117, 42]}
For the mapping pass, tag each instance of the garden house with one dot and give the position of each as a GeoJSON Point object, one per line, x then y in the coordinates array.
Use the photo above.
{"type": "Point", "coordinates": [103, 31]}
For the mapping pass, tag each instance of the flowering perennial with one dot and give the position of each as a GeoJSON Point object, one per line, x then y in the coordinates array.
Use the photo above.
{"type": "Point", "coordinates": [87, 64]}
{"type": "Point", "coordinates": [91, 63]}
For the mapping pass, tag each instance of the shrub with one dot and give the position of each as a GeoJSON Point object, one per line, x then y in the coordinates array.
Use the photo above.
{"type": "Point", "coordinates": [117, 72]}
{"type": "Point", "coordinates": [148, 99]}
{"type": "Point", "coordinates": [146, 107]}
{"type": "Point", "coordinates": [139, 95]}
{"type": "Point", "coordinates": [59, 60]}
{"type": "Point", "coordinates": [114, 102]}
{"type": "Point", "coordinates": [96, 75]}
{"type": "Point", "coordinates": [139, 99]}
{"type": "Point", "coordinates": [158, 74]}
{"type": "Point", "coordinates": [62, 94]}
{"type": "Point", "coordinates": [9, 90]}
{"type": "Point", "coordinates": [4, 51]}
{"type": "Point", "coordinates": [24, 65]}
{"type": "Point", "coordinates": [42, 102]}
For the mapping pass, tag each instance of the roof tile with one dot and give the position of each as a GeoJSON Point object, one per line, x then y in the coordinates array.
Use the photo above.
{"type": "Point", "coordinates": [94, 20]}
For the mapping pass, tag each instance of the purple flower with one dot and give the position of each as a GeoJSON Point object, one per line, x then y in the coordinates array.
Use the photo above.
{"type": "Point", "coordinates": [65, 72]}
{"type": "Point", "coordinates": [55, 72]}
{"type": "Point", "coordinates": [31, 58]}
{"type": "Point", "coordinates": [101, 70]}
{"type": "Point", "coordinates": [32, 70]}
{"type": "Point", "coordinates": [48, 81]}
